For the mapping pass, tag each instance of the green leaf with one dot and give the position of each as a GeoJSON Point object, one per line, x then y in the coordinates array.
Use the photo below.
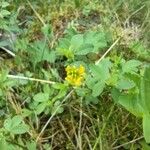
{"type": "Point", "coordinates": [98, 89]}
{"type": "Point", "coordinates": [8, 123]}
{"type": "Point", "coordinates": [145, 89]}
{"type": "Point", "coordinates": [31, 145]}
{"type": "Point", "coordinates": [40, 108]}
{"type": "Point", "coordinates": [68, 53]}
{"type": "Point", "coordinates": [41, 97]}
{"type": "Point", "coordinates": [64, 43]}
{"type": "Point", "coordinates": [115, 93]}
{"type": "Point", "coordinates": [76, 41]}
{"type": "Point", "coordinates": [102, 70]}
{"type": "Point", "coordinates": [57, 106]}
{"type": "Point", "coordinates": [26, 112]}
{"type": "Point", "coordinates": [16, 125]}
{"type": "Point", "coordinates": [84, 49]}
{"type": "Point", "coordinates": [59, 86]}
{"type": "Point", "coordinates": [90, 99]}
{"type": "Point", "coordinates": [97, 39]}
{"type": "Point", "coordinates": [146, 127]}
{"type": "Point", "coordinates": [99, 75]}
{"type": "Point", "coordinates": [51, 57]}
{"type": "Point", "coordinates": [39, 51]}
{"type": "Point", "coordinates": [129, 101]}
{"type": "Point", "coordinates": [4, 4]}
{"type": "Point", "coordinates": [82, 44]}
{"type": "Point", "coordinates": [20, 129]}
{"type": "Point", "coordinates": [16, 120]}
{"type": "Point", "coordinates": [131, 66]}
{"type": "Point", "coordinates": [92, 42]}
{"type": "Point", "coordinates": [125, 84]}
{"type": "Point", "coordinates": [4, 13]}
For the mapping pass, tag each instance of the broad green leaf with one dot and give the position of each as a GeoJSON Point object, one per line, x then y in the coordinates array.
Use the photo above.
{"type": "Point", "coordinates": [68, 53]}
{"type": "Point", "coordinates": [131, 66]}
{"type": "Point", "coordinates": [20, 129]}
{"type": "Point", "coordinates": [84, 49]}
{"type": "Point", "coordinates": [145, 89]}
{"type": "Point", "coordinates": [59, 86]}
{"type": "Point", "coordinates": [40, 108]}
{"type": "Point", "coordinates": [129, 101]}
{"type": "Point", "coordinates": [90, 82]}
{"type": "Point", "coordinates": [98, 88]}
{"type": "Point", "coordinates": [90, 99]}
{"type": "Point", "coordinates": [125, 84]}
{"type": "Point", "coordinates": [4, 13]}
{"type": "Point", "coordinates": [16, 120]}
{"type": "Point", "coordinates": [40, 51]}
{"type": "Point", "coordinates": [4, 4]}
{"type": "Point", "coordinates": [41, 97]}
{"type": "Point", "coordinates": [8, 123]}
{"type": "Point", "coordinates": [97, 39]}
{"type": "Point", "coordinates": [99, 75]}
{"type": "Point", "coordinates": [26, 112]}
{"type": "Point", "coordinates": [115, 93]}
{"type": "Point", "coordinates": [96, 71]}
{"type": "Point", "coordinates": [77, 41]}
{"type": "Point", "coordinates": [57, 106]}
{"type": "Point", "coordinates": [64, 43]}
{"type": "Point", "coordinates": [81, 91]}
{"type": "Point", "coordinates": [51, 57]}
{"type": "Point", "coordinates": [146, 127]}
{"type": "Point", "coordinates": [102, 70]}
{"type": "Point", "coordinates": [31, 145]}
{"type": "Point", "coordinates": [16, 125]}
{"type": "Point", "coordinates": [61, 93]}
{"type": "Point", "coordinates": [82, 44]}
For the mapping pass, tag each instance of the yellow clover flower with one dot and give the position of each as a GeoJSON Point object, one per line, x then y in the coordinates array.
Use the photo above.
{"type": "Point", "coordinates": [75, 76]}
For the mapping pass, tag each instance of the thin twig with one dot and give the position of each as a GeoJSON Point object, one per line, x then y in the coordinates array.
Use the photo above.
{"type": "Point", "coordinates": [103, 127]}
{"type": "Point", "coordinates": [134, 13]}
{"type": "Point", "coordinates": [128, 142]}
{"type": "Point", "coordinates": [97, 62]}
{"type": "Point", "coordinates": [36, 13]}
{"type": "Point", "coordinates": [30, 79]}
{"type": "Point", "coordinates": [69, 138]}
{"type": "Point", "coordinates": [89, 144]}
{"type": "Point", "coordinates": [8, 51]}
{"type": "Point", "coordinates": [54, 113]}
{"type": "Point", "coordinates": [73, 126]}
{"type": "Point", "coordinates": [79, 129]}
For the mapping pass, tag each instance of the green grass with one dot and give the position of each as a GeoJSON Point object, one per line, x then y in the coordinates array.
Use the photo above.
{"type": "Point", "coordinates": [65, 117]}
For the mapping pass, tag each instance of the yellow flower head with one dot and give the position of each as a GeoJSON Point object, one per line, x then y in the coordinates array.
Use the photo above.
{"type": "Point", "coordinates": [75, 76]}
